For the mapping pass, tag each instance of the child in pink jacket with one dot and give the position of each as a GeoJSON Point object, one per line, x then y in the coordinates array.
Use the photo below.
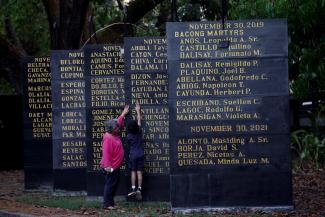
{"type": "Point", "coordinates": [112, 158]}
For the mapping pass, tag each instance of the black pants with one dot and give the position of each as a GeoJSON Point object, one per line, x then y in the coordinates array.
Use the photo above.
{"type": "Point", "coordinates": [110, 187]}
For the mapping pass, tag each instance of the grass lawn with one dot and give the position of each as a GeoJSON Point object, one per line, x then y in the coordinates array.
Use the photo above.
{"type": "Point", "coordinates": [81, 203]}
{"type": "Point", "coordinates": [136, 209]}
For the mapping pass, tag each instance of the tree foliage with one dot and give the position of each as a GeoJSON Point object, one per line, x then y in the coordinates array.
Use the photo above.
{"type": "Point", "coordinates": [26, 24]}
{"type": "Point", "coordinates": [306, 28]}
{"type": "Point", "coordinates": [29, 23]}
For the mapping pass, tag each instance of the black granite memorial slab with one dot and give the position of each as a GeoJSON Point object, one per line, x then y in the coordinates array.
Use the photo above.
{"type": "Point", "coordinates": [37, 113]}
{"type": "Point", "coordinates": [147, 84]}
{"type": "Point", "coordinates": [11, 132]}
{"type": "Point", "coordinates": [147, 88]}
{"type": "Point", "coordinates": [240, 188]}
{"type": "Point", "coordinates": [69, 95]}
{"type": "Point", "coordinates": [69, 120]}
{"type": "Point", "coordinates": [229, 110]}
{"type": "Point", "coordinates": [38, 125]}
{"type": "Point", "coordinates": [70, 123]}
{"type": "Point", "coordinates": [37, 167]}
{"type": "Point", "coordinates": [145, 54]}
{"type": "Point", "coordinates": [228, 78]}
{"type": "Point", "coordinates": [72, 154]}
{"type": "Point", "coordinates": [247, 39]}
{"type": "Point", "coordinates": [249, 115]}
{"type": "Point", "coordinates": [213, 153]}
{"type": "Point", "coordinates": [105, 99]}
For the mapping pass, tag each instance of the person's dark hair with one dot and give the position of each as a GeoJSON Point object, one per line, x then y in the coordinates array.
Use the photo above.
{"type": "Point", "coordinates": [133, 127]}
{"type": "Point", "coordinates": [110, 125]}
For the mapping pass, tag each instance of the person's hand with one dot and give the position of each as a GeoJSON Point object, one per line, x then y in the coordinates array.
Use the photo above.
{"type": "Point", "coordinates": [137, 108]}
{"type": "Point", "coordinates": [109, 169]}
{"type": "Point", "coordinates": [125, 110]}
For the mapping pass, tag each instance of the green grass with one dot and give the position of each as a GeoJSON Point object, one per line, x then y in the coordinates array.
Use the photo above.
{"type": "Point", "coordinates": [134, 209]}
{"type": "Point", "coordinates": [141, 209]}
{"type": "Point", "coordinates": [76, 203]}
{"type": "Point", "coordinates": [71, 203]}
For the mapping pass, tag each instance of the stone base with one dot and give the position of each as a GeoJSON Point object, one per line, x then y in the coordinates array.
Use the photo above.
{"type": "Point", "coordinates": [100, 198]}
{"type": "Point", "coordinates": [181, 210]}
{"type": "Point", "coordinates": [59, 193]}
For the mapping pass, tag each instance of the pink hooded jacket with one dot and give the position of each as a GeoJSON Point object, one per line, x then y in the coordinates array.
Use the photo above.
{"type": "Point", "coordinates": [112, 149]}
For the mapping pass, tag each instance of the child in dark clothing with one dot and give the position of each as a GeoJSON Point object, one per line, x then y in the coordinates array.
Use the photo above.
{"type": "Point", "coordinates": [136, 156]}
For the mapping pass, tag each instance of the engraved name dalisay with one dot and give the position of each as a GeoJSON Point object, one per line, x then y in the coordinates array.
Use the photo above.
{"type": "Point", "coordinates": [210, 85]}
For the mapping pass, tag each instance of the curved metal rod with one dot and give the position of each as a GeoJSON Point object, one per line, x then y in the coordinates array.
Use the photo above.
{"type": "Point", "coordinates": [105, 27]}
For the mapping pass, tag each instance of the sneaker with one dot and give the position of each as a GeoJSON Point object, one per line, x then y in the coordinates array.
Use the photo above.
{"type": "Point", "coordinates": [138, 195]}
{"type": "Point", "coordinates": [109, 208]}
{"type": "Point", "coordinates": [132, 192]}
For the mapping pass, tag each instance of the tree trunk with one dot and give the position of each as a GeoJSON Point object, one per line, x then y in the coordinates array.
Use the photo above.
{"type": "Point", "coordinates": [10, 57]}
{"type": "Point", "coordinates": [67, 19]}
{"type": "Point", "coordinates": [10, 32]}
{"type": "Point", "coordinates": [68, 25]}
{"type": "Point", "coordinates": [138, 8]}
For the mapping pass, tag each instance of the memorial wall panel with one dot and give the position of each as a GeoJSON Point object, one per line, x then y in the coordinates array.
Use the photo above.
{"type": "Point", "coordinates": [228, 78]}
{"type": "Point", "coordinates": [105, 99]}
{"type": "Point", "coordinates": [69, 120]}
{"type": "Point", "coordinates": [37, 115]}
{"type": "Point", "coordinates": [147, 84]}
{"type": "Point", "coordinates": [246, 38]}
{"type": "Point", "coordinates": [228, 96]}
